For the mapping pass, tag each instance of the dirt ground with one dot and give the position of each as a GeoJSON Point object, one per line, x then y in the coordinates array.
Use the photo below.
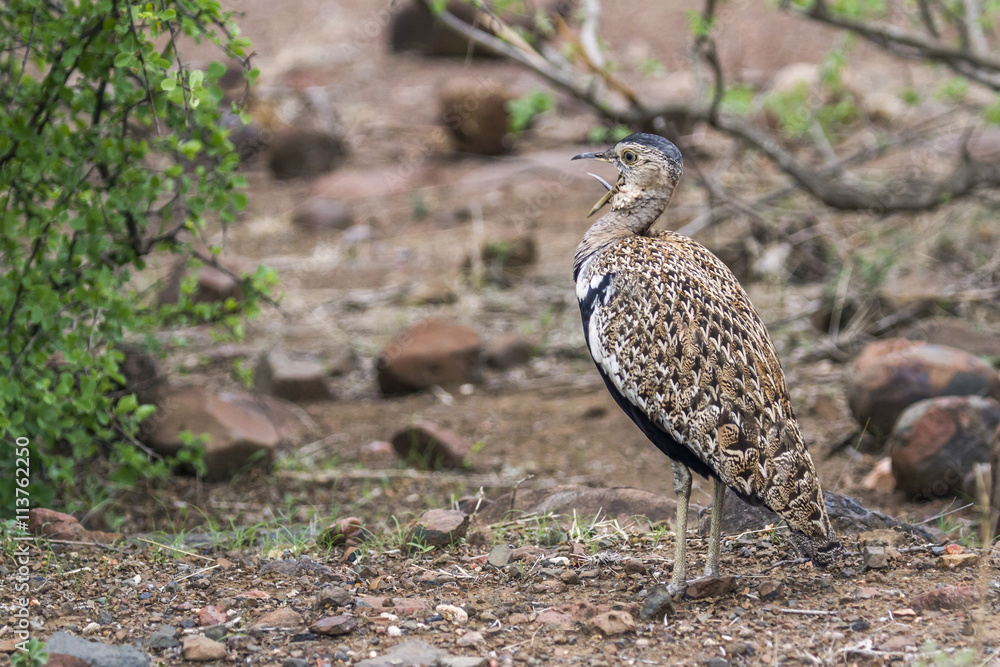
{"type": "Point", "coordinates": [549, 422]}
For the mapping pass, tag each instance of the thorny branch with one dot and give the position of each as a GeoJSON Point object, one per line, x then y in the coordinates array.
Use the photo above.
{"type": "Point", "coordinates": [836, 188]}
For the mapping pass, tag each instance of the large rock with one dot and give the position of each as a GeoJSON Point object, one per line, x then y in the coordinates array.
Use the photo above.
{"type": "Point", "coordinates": [214, 285]}
{"type": "Point", "coordinates": [474, 111]}
{"type": "Point", "coordinates": [58, 526]}
{"type": "Point", "coordinates": [937, 441]}
{"type": "Point", "coordinates": [292, 375]}
{"type": "Point", "coordinates": [236, 433]}
{"type": "Point", "coordinates": [847, 515]}
{"type": "Point", "coordinates": [438, 528]}
{"type": "Point", "coordinates": [95, 653]}
{"type": "Point", "coordinates": [431, 352]}
{"type": "Point", "coordinates": [431, 446]}
{"type": "Point", "coordinates": [890, 375]}
{"type": "Point", "coordinates": [304, 154]}
{"type": "Point", "coordinates": [625, 504]}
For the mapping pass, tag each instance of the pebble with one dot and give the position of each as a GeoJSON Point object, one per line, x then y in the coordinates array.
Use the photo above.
{"type": "Point", "coordinates": [499, 556]}
{"type": "Point", "coordinates": [454, 614]}
{"type": "Point", "coordinates": [471, 638]}
{"type": "Point", "coordinates": [874, 558]}
{"type": "Point", "coordinates": [203, 649]}
{"type": "Point", "coordinates": [334, 625]}
{"type": "Point", "coordinates": [90, 628]}
{"type": "Point", "coordinates": [658, 604]}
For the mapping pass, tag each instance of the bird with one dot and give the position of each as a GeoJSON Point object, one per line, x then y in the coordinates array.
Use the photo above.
{"type": "Point", "coordinates": [686, 356]}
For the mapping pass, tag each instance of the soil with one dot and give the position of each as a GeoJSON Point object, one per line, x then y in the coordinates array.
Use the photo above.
{"type": "Point", "coordinates": [546, 423]}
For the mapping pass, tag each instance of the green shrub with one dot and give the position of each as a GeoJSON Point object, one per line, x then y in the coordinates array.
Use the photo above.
{"type": "Point", "coordinates": [111, 149]}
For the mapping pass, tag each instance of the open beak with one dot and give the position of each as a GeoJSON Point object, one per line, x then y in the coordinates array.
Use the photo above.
{"type": "Point", "coordinates": [607, 195]}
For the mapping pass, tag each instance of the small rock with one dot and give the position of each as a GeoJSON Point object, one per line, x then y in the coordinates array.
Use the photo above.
{"type": "Point", "coordinates": [555, 618]}
{"type": "Point", "coordinates": [282, 617]}
{"type": "Point", "coordinates": [612, 623]}
{"type": "Point", "coordinates": [956, 561]}
{"type": "Point", "coordinates": [237, 435]}
{"type": "Point", "coordinates": [937, 441]}
{"type": "Point", "coordinates": [659, 603]}
{"type": "Point", "coordinates": [499, 556]}
{"type": "Point", "coordinates": [332, 597]}
{"type": "Point", "coordinates": [304, 154]}
{"type": "Point", "coordinates": [292, 375]}
{"type": "Point", "coordinates": [165, 637]}
{"type": "Point", "coordinates": [431, 446]}
{"type": "Point", "coordinates": [90, 628]}
{"type": "Point", "coordinates": [874, 558]}
{"type": "Point", "coordinates": [95, 653]}
{"type": "Point", "coordinates": [710, 587]}
{"type": "Point", "coordinates": [216, 632]}
{"type": "Point", "coordinates": [340, 532]}
{"type": "Point", "coordinates": [950, 597]}
{"type": "Point", "coordinates": [509, 350]}
{"type": "Point", "coordinates": [474, 111]}
{"type": "Point", "coordinates": [334, 625]}
{"type": "Point", "coordinates": [321, 214]}
{"type": "Point", "coordinates": [770, 590]}
{"type": "Point", "coordinates": [569, 577]}
{"type": "Point", "coordinates": [202, 649]}
{"type": "Point", "coordinates": [716, 662]}
{"type": "Point", "coordinates": [412, 652]}
{"type": "Point", "coordinates": [294, 662]}
{"type": "Point", "coordinates": [104, 618]}
{"type": "Point", "coordinates": [471, 638]}
{"type": "Point", "coordinates": [890, 375]}
{"type": "Point", "coordinates": [212, 615]}
{"type": "Point", "coordinates": [438, 528]}
{"type": "Point", "coordinates": [453, 614]}
{"type": "Point", "coordinates": [634, 566]}
{"type": "Point", "coordinates": [738, 648]}
{"type": "Point", "coordinates": [431, 352]}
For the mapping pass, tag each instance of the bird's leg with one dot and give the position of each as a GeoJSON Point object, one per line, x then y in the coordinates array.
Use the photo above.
{"type": "Point", "coordinates": [715, 528]}
{"type": "Point", "coordinates": [682, 489]}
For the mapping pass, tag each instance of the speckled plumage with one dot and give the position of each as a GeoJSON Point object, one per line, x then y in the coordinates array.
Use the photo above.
{"type": "Point", "coordinates": [685, 354]}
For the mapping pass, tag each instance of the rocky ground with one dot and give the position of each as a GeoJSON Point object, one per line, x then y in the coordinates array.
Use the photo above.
{"type": "Point", "coordinates": [403, 230]}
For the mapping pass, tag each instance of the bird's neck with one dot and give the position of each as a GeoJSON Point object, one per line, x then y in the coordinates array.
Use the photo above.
{"type": "Point", "coordinates": [633, 212]}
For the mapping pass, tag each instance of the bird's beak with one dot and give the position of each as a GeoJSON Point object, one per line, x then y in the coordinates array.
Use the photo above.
{"type": "Point", "coordinates": [592, 156]}
{"type": "Point", "coordinates": [605, 199]}
{"type": "Point", "coordinates": [602, 157]}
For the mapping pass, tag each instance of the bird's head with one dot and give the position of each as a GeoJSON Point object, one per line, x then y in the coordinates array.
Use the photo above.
{"type": "Point", "coordinates": [648, 166]}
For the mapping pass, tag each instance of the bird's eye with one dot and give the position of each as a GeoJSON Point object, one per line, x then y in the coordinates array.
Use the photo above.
{"type": "Point", "coordinates": [629, 157]}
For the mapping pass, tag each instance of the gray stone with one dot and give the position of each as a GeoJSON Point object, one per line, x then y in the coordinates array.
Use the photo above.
{"type": "Point", "coordinates": [95, 653]}
{"type": "Point", "coordinates": [659, 603]}
{"type": "Point", "coordinates": [874, 558]}
{"type": "Point", "coordinates": [165, 637]}
{"type": "Point", "coordinates": [499, 555]}
{"type": "Point", "coordinates": [411, 653]}
{"type": "Point", "coordinates": [292, 375]}
{"type": "Point", "coordinates": [294, 662]}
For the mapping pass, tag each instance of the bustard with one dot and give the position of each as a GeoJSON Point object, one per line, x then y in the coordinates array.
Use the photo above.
{"type": "Point", "coordinates": [683, 352]}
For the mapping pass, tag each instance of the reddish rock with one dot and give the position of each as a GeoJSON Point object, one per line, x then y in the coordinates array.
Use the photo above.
{"type": "Point", "coordinates": [431, 352]}
{"type": "Point", "coordinates": [949, 597]}
{"type": "Point", "coordinates": [937, 441]}
{"type": "Point", "coordinates": [890, 375]}
{"type": "Point", "coordinates": [202, 649]}
{"type": "Point", "coordinates": [471, 638]}
{"type": "Point", "coordinates": [612, 623]}
{"type": "Point", "coordinates": [634, 566]}
{"type": "Point", "coordinates": [474, 111]}
{"type": "Point", "coordinates": [214, 285]}
{"type": "Point", "coordinates": [320, 214]}
{"type": "Point", "coordinates": [237, 435]}
{"type": "Point", "coordinates": [282, 617]}
{"type": "Point", "coordinates": [304, 154]}
{"type": "Point", "coordinates": [431, 446]}
{"type": "Point", "coordinates": [710, 587]}
{"type": "Point", "coordinates": [58, 526]}
{"type": "Point", "coordinates": [557, 618]}
{"type": "Point", "coordinates": [212, 615]}
{"type": "Point", "coordinates": [509, 350]}
{"type": "Point", "coordinates": [438, 528]}
{"type": "Point", "coordinates": [335, 625]}
{"type": "Point", "coordinates": [956, 561]}
{"type": "Point", "coordinates": [292, 375]}
{"type": "Point", "coordinates": [65, 660]}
